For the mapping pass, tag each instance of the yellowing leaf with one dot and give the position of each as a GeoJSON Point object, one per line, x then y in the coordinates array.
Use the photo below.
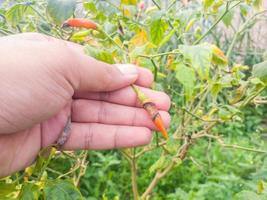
{"type": "Point", "coordinates": [189, 25]}
{"type": "Point", "coordinates": [126, 12]}
{"type": "Point", "coordinates": [207, 3]}
{"type": "Point", "coordinates": [169, 63]}
{"type": "Point", "coordinates": [80, 36]}
{"type": "Point", "coordinates": [99, 54]}
{"type": "Point", "coordinates": [261, 187]}
{"type": "Point", "coordinates": [118, 41]}
{"type": "Point", "coordinates": [129, 2]}
{"type": "Point", "coordinates": [258, 4]}
{"type": "Point", "coordinates": [215, 89]}
{"type": "Point", "coordinates": [239, 94]}
{"type": "Point", "coordinates": [217, 5]}
{"type": "Point", "coordinates": [218, 56]}
{"type": "Point", "coordinates": [139, 39]}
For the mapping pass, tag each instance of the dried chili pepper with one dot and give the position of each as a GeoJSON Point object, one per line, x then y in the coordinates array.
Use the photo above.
{"type": "Point", "coordinates": [80, 23]}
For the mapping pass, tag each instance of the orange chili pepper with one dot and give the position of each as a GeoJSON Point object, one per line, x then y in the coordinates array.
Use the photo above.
{"type": "Point", "coordinates": [152, 110]}
{"type": "Point", "coordinates": [80, 23]}
{"type": "Point", "coordinates": [159, 124]}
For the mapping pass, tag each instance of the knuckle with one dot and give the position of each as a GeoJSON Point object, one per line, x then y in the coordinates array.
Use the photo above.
{"type": "Point", "coordinates": [166, 100]}
{"type": "Point", "coordinates": [108, 79]}
{"type": "Point", "coordinates": [134, 117]}
{"type": "Point", "coordinates": [116, 137]}
{"type": "Point", "coordinates": [88, 137]}
{"type": "Point", "coordinates": [104, 96]}
{"type": "Point", "coordinates": [102, 112]}
{"type": "Point", "coordinates": [147, 135]}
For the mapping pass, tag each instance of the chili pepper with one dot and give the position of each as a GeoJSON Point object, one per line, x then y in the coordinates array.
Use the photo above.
{"type": "Point", "coordinates": [80, 23]}
{"type": "Point", "coordinates": [152, 110]}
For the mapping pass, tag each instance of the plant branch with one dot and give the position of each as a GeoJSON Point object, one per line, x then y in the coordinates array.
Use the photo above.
{"type": "Point", "coordinates": [156, 4]}
{"type": "Point", "coordinates": [175, 52]}
{"type": "Point", "coordinates": [134, 176]}
{"type": "Point", "coordinates": [227, 9]}
{"type": "Point", "coordinates": [240, 30]}
{"type": "Point", "coordinates": [181, 154]}
{"type": "Point", "coordinates": [252, 97]}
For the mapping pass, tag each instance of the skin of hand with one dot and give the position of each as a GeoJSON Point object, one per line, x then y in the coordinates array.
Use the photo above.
{"type": "Point", "coordinates": [44, 80]}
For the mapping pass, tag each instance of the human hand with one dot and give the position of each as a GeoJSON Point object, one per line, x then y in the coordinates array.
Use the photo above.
{"type": "Point", "coordinates": [44, 80]}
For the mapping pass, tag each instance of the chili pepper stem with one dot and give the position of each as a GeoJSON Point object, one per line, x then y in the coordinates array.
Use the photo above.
{"type": "Point", "coordinates": [140, 95]}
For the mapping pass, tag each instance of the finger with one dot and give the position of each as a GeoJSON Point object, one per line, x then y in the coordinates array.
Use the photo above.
{"type": "Point", "coordinates": [28, 36]}
{"type": "Point", "coordinates": [127, 97]}
{"type": "Point", "coordinates": [90, 111]}
{"type": "Point", "coordinates": [145, 77]}
{"type": "Point", "coordinates": [99, 136]}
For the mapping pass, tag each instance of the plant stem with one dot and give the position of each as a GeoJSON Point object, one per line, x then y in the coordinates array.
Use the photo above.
{"type": "Point", "coordinates": [156, 179]}
{"type": "Point", "coordinates": [252, 97]}
{"type": "Point", "coordinates": [241, 29]}
{"type": "Point", "coordinates": [134, 176]}
{"type": "Point", "coordinates": [217, 21]}
{"type": "Point", "coordinates": [155, 69]}
{"type": "Point", "coordinates": [234, 146]}
{"type": "Point", "coordinates": [175, 52]}
{"type": "Point", "coordinates": [156, 4]}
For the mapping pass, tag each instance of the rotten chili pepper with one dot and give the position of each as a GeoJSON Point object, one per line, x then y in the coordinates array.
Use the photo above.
{"type": "Point", "coordinates": [146, 103]}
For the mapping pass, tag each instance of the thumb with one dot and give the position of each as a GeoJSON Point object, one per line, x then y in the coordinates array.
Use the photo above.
{"type": "Point", "coordinates": [96, 76]}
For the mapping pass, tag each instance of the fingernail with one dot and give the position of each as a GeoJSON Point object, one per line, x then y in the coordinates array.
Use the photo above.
{"type": "Point", "coordinates": [127, 69]}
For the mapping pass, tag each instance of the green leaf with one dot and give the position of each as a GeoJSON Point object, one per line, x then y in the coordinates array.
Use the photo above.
{"type": "Point", "coordinates": [261, 187]}
{"type": "Point", "coordinates": [187, 77]}
{"type": "Point", "coordinates": [157, 30]}
{"type": "Point", "coordinates": [99, 54]}
{"type": "Point", "coordinates": [260, 71]}
{"type": "Point", "coordinates": [15, 14]}
{"type": "Point", "coordinates": [215, 89]}
{"type": "Point", "coordinates": [167, 37]}
{"type": "Point", "coordinates": [60, 10]}
{"type": "Point", "coordinates": [227, 19]}
{"type": "Point", "coordinates": [161, 163]}
{"type": "Point", "coordinates": [200, 57]}
{"type": "Point", "coordinates": [207, 3]}
{"type": "Point", "coordinates": [29, 191]}
{"type": "Point", "coordinates": [247, 195]}
{"type": "Point", "coordinates": [61, 190]}
{"type": "Point", "coordinates": [80, 36]}
{"type": "Point", "coordinates": [44, 27]}
{"type": "Point", "coordinates": [44, 157]}
{"type": "Point", "coordinates": [258, 4]}
{"type": "Point", "coordinates": [90, 6]}
{"type": "Point", "coordinates": [5, 189]}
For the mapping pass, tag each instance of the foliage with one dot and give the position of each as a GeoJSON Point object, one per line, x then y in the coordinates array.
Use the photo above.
{"type": "Point", "coordinates": [213, 101]}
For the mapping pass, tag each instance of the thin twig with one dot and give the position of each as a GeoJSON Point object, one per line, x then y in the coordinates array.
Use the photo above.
{"type": "Point", "coordinates": [134, 176]}
{"type": "Point", "coordinates": [227, 9]}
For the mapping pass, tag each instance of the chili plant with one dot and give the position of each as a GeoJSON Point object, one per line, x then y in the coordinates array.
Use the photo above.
{"type": "Point", "coordinates": [176, 41]}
